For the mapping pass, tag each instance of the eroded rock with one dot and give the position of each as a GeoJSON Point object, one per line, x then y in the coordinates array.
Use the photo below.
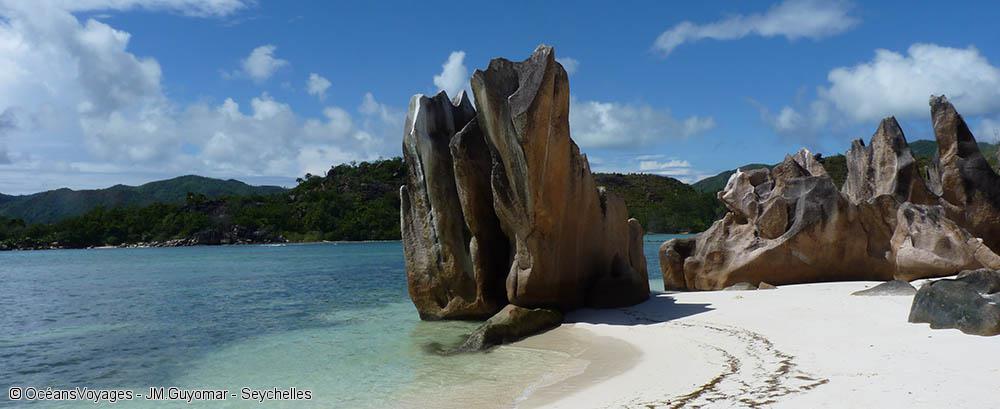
{"type": "Point", "coordinates": [784, 226]}
{"type": "Point", "coordinates": [572, 243]}
{"type": "Point", "coordinates": [442, 280]}
{"type": "Point", "coordinates": [500, 206]}
{"type": "Point", "coordinates": [885, 168]}
{"type": "Point", "coordinates": [969, 187]}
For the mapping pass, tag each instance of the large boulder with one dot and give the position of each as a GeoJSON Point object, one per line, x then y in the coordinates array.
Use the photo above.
{"type": "Point", "coordinates": [573, 244]}
{"type": "Point", "coordinates": [511, 324]}
{"type": "Point", "coordinates": [444, 282]}
{"type": "Point", "coordinates": [970, 189]}
{"type": "Point", "coordinates": [500, 206]}
{"type": "Point", "coordinates": [969, 303]}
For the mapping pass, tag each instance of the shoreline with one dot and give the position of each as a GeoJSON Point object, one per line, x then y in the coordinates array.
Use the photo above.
{"type": "Point", "coordinates": [807, 345]}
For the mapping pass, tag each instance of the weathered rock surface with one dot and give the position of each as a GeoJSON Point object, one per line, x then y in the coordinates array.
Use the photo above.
{"type": "Point", "coordinates": [790, 225]}
{"type": "Point", "coordinates": [512, 323]}
{"type": "Point", "coordinates": [969, 303]}
{"type": "Point", "coordinates": [443, 281]}
{"type": "Point", "coordinates": [500, 207]}
{"type": "Point", "coordinates": [886, 167]}
{"type": "Point", "coordinates": [970, 189]}
{"type": "Point", "coordinates": [784, 226]}
{"type": "Point", "coordinates": [927, 244]}
{"type": "Point", "coordinates": [572, 243]}
{"type": "Point", "coordinates": [889, 288]}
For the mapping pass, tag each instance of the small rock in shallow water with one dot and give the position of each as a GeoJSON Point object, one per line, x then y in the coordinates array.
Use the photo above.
{"type": "Point", "coordinates": [969, 303]}
{"type": "Point", "coordinates": [512, 323]}
{"type": "Point", "coordinates": [894, 287]}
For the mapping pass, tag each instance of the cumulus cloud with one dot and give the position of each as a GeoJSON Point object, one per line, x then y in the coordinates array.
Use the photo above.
{"type": "Point", "coordinates": [454, 76]}
{"type": "Point", "coordinates": [569, 64]}
{"type": "Point", "coordinates": [898, 84]}
{"type": "Point", "coordinates": [791, 19]}
{"type": "Point", "coordinates": [261, 64]}
{"type": "Point", "coordinates": [597, 124]}
{"type": "Point", "coordinates": [316, 86]}
{"type": "Point", "coordinates": [81, 103]}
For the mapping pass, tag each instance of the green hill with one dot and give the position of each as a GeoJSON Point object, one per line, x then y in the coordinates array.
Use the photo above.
{"type": "Point", "coordinates": [663, 204]}
{"type": "Point", "coordinates": [55, 205]}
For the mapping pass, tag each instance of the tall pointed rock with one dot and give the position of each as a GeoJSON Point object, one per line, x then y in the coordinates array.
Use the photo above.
{"type": "Point", "coordinates": [442, 279]}
{"type": "Point", "coordinates": [573, 243]}
{"type": "Point", "coordinates": [970, 188]}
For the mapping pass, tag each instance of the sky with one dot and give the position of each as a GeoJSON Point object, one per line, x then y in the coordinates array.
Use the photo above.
{"type": "Point", "coordinates": [100, 92]}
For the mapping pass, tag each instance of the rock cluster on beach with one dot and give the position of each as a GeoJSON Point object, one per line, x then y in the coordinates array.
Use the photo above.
{"type": "Point", "coordinates": [500, 206]}
{"type": "Point", "coordinates": [790, 224]}
{"type": "Point", "coordinates": [970, 303]}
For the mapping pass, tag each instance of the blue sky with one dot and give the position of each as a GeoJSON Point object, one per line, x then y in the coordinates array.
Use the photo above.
{"type": "Point", "coordinates": [99, 92]}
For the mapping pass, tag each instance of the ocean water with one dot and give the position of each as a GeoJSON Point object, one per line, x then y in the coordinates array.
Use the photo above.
{"type": "Point", "coordinates": [331, 318]}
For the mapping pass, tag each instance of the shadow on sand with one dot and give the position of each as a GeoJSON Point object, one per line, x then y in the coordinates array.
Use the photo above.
{"type": "Point", "coordinates": [660, 307]}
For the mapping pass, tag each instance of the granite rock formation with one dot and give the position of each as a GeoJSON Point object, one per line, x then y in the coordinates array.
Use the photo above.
{"type": "Point", "coordinates": [573, 244]}
{"type": "Point", "coordinates": [443, 280]}
{"type": "Point", "coordinates": [500, 206]}
{"type": "Point", "coordinates": [969, 303]}
{"type": "Point", "coordinates": [778, 229]}
{"type": "Point", "coordinates": [887, 167]}
{"type": "Point", "coordinates": [791, 225]}
{"type": "Point", "coordinates": [970, 189]}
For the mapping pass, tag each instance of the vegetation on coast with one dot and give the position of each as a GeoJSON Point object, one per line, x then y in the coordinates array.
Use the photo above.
{"type": "Point", "coordinates": [357, 201]}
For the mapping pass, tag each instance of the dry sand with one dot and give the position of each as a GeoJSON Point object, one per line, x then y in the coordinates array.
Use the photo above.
{"type": "Point", "coordinates": [801, 346]}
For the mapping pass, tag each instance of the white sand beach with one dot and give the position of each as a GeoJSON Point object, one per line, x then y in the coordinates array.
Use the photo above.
{"type": "Point", "coordinates": [799, 346]}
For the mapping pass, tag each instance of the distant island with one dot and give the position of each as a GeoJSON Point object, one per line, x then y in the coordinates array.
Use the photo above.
{"type": "Point", "coordinates": [357, 201]}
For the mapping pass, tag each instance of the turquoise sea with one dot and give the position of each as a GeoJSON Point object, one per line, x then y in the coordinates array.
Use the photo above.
{"type": "Point", "coordinates": [331, 318]}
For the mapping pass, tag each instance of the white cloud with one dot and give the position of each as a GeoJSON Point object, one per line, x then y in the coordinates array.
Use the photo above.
{"type": "Point", "coordinates": [596, 124]}
{"type": "Point", "coordinates": [79, 108]}
{"type": "Point", "coordinates": [316, 86]}
{"type": "Point", "coordinates": [454, 77]}
{"type": "Point", "coordinates": [261, 64]}
{"type": "Point", "coordinates": [569, 64]}
{"type": "Point", "coordinates": [791, 19]}
{"type": "Point", "coordinates": [197, 8]}
{"type": "Point", "coordinates": [896, 84]}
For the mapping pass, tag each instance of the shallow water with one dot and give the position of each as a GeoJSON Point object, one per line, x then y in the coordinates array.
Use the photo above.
{"type": "Point", "coordinates": [331, 318]}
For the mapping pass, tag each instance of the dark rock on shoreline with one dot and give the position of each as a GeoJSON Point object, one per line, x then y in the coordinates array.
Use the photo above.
{"type": "Point", "coordinates": [511, 324]}
{"type": "Point", "coordinates": [894, 287]}
{"type": "Point", "coordinates": [969, 303]}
